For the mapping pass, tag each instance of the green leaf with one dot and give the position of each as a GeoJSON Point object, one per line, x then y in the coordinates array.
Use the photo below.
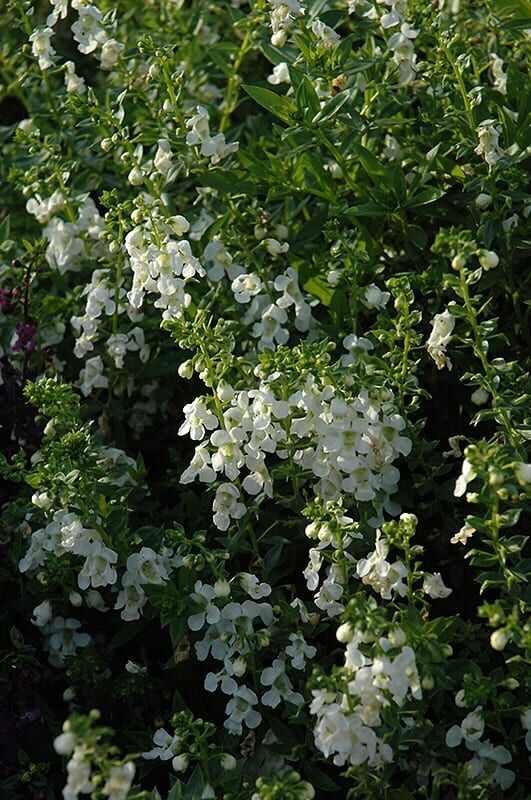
{"type": "Point", "coordinates": [126, 632]}
{"type": "Point", "coordinates": [429, 195]}
{"type": "Point", "coordinates": [374, 168]}
{"type": "Point", "coordinates": [319, 779]}
{"type": "Point", "coordinates": [306, 97]}
{"type": "Point", "coordinates": [5, 227]}
{"type": "Point", "coordinates": [228, 183]}
{"type": "Point", "coordinates": [279, 106]}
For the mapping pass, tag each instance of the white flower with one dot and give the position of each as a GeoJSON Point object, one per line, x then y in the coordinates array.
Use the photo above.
{"type": "Point", "coordinates": [166, 746]}
{"type": "Point", "coordinates": [280, 74]}
{"type": "Point", "coordinates": [298, 651]}
{"type": "Point", "coordinates": [119, 781]}
{"type": "Point", "coordinates": [467, 475]}
{"type": "Point", "coordinates": [463, 534]}
{"type": "Point", "coordinates": [88, 30]}
{"type": "Point", "coordinates": [500, 77]}
{"type": "Point", "coordinates": [434, 587]}
{"type": "Point", "coordinates": [198, 419]}
{"type": "Point", "coordinates": [374, 297]}
{"type": "Point", "coordinates": [73, 82]}
{"type": "Point", "coordinates": [443, 325]}
{"type": "Point", "coordinates": [92, 377]}
{"type": "Point", "coordinates": [488, 259]}
{"type": "Point", "coordinates": [240, 711]}
{"type": "Point", "coordinates": [110, 53]}
{"type": "Point", "coordinates": [210, 613]}
{"type": "Point", "coordinates": [523, 473]}
{"type": "Point", "coordinates": [274, 247]}
{"type": "Point", "coordinates": [163, 157]}
{"type": "Point", "coordinates": [65, 743]}
{"type": "Point", "coordinates": [499, 639]}
{"type": "Point", "coordinates": [226, 506]}
{"type": "Point", "coordinates": [327, 35]}
{"type": "Point", "coordinates": [470, 730]}
{"type": "Point", "coordinates": [488, 146]}
{"type": "Point", "coordinates": [41, 46]}
{"type": "Point", "coordinates": [252, 586]}
{"type": "Point", "coordinates": [246, 286]}
{"type": "Point", "coordinates": [281, 686]}
{"type": "Point", "coordinates": [42, 614]}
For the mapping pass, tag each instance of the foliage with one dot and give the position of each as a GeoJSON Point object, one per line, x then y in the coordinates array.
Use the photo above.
{"type": "Point", "coordinates": [264, 341]}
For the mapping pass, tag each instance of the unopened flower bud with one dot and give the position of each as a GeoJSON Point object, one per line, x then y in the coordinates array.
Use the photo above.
{"type": "Point", "coordinates": [75, 599]}
{"type": "Point", "coordinates": [499, 638]}
{"type": "Point", "coordinates": [483, 200]}
{"type": "Point", "coordinates": [458, 262]}
{"type": "Point", "coordinates": [488, 259]}
{"type": "Point", "coordinates": [135, 177]}
{"type": "Point", "coordinates": [186, 369]}
{"type": "Point", "coordinates": [228, 762]}
{"type": "Point", "coordinates": [344, 633]}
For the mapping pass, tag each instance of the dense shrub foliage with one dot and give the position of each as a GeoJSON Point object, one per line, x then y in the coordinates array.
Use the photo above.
{"type": "Point", "coordinates": [264, 331]}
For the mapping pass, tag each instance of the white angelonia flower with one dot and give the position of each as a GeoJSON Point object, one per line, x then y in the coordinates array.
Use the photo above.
{"type": "Point", "coordinates": [375, 298]}
{"type": "Point", "coordinates": [276, 677]}
{"type": "Point", "coordinates": [41, 46]}
{"type": "Point", "coordinates": [62, 639]}
{"type": "Point", "coordinates": [463, 534]}
{"type": "Point", "coordinates": [500, 77]}
{"type": "Point", "coordinates": [298, 650]}
{"type": "Point", "coordinates": [64, 244]}
{"type": "Point", "coordinates": [488, 146]}
{"type": "Point", "coordinates": [73, 82]}
{"type": "Point", "coordinates": [523, 473]}
{"type": "Point", "coordinates": [283, 15]}
{"type": "Point", "coordinates": [41, 500]}
{"type": "Point", "coordinates": [244, 287]}
{"type": "Point", "coordinates": [253, 587]}
{"type": "Point", "coordinates": [440, 337]}
{"type": "Point", "coordinates": [488, 259]}
{"type": "Point", "coordinates": [210, 613]}
{"type": "Point", "coordinates": [434, 587]}
{"type": "Point", "coordinates": [41, 209]}
{"type": "Point", "coordinates": [470, 730]}
{"type": "Point", "coordinates": [214, 147]}
{"type": "Point", "coordinates": [166, 746]}
{"type": "Point", "coordinates": [92, 376]}
{"type": "Point", "coordinates": [119, 781]}
{"type": "Point", "coordinates": [221, 261]}
{"type": "Point", "coordinates": [42, 614]}
{"type": "Point", "coordinates": [288, 284]}
{"type": "Point", "coordinates": [65, 743]}
{"type": "Point", "coordinates": [240, 711]}
{"type": "Point", "coordinates": [110, 53]}
{"type": "Point", "coordinates": [60, 8]}
{"type": "Point", "coordinates": [279, 75]}
{"type": "Point", "coordinates": [226, 506]}
{"type": "Point", "coordinates": [163, 158]}
{"type": "Point", "coordinates": [467, 475]}
{"type": "Point", "coordinates": [88, 30]}
{"type": "Point", "coordinates": [384, 577]}
{"type": "Point", "coordinates": [525, 718]}
{"type": "Point", "coordinates": [198, 419]}
{"type": "Point", "coordinates": [79, 774]}
{"type": "Point", "coordinates": [328, 36]}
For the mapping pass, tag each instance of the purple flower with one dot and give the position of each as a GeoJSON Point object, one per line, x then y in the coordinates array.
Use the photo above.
{"type": "Point", "coordinates": [26, 338]}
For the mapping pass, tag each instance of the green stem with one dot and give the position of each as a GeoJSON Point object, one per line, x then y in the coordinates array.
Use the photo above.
{"type": "Point", "coordinates": [480, 353]}
{"type": "Point", "coordinates": [461, 86]}
{"type": "Point", "coordinates": [232, 86]}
